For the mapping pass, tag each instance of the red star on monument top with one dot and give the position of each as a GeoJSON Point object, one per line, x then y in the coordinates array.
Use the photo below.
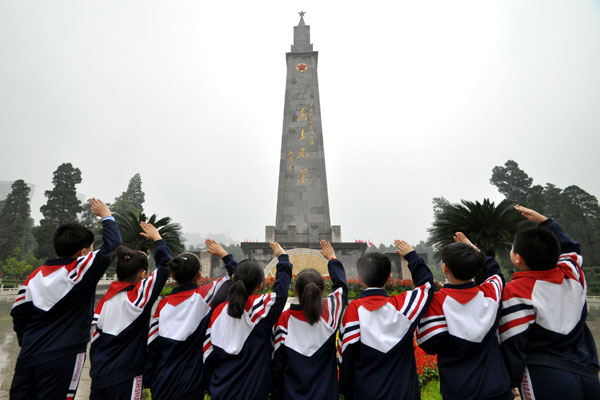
{"type": "Point", "coordinates": [301, 13]}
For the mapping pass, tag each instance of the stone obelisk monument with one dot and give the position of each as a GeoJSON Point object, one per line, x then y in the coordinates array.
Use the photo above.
{"type": "Point", "coordinates": [302, 218]}
{"type": "Point", "coordinates": [302, 200]}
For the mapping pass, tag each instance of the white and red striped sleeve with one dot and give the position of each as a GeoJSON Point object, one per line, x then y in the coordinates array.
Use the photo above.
{"type": "Point", "coordinates": [280, 331]}
{"type": "Point", "coordinates": [349, 330]}
{"type": "Point", "coordinates": [334, 307]}
{"type": "Point", "coordinates": [414, 301]}
{"type": "Point", "coordinates": [260, 306]}
{"type": "Point", "coordinates": [517, 312]}
{"type": "Point", "coordinates": [140, 295]}
{"type": "Point", "coordinates": [433, 322]}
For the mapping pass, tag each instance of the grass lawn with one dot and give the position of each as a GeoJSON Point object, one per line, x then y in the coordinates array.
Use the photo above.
{"type": "Point", "coordinates": [431, 391]}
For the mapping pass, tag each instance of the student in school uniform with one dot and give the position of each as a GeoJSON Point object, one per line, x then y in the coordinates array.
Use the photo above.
{"type": "Point", "coordinates": [120, 324]}
{"type": "Point", "coordinates": [174, 364]}
{"type": "Point", "coordinates": [375, 344]}
{"type": "Point", "coordinates": [238, 346]}
{"type": "Point", "coordinates": [54, 308]}
{"type": "Point", "coordinates": [304, 364]}
{"type": "Point", "coordinates": [460, 326]}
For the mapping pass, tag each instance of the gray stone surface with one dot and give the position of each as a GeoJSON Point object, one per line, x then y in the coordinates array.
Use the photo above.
{"type": "Point", "coordinates": [302, 199]}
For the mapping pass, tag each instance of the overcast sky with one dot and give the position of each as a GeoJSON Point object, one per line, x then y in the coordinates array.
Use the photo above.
{"type": "Point", "coordinates": [419, 99]}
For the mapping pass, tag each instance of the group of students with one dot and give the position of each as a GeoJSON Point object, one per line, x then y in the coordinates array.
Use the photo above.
{"type": "Point", "coordinates": [225, 339]}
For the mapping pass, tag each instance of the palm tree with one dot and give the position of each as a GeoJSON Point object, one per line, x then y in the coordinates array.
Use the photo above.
{"type": "Point", "coordinates": [490, 227]}
{"type": "Point", "coordinates": [129, 225]}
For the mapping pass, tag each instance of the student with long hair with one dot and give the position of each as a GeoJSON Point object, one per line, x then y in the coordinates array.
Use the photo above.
{"type": "Point", "coordinates": [121, 319]}
{"type": "Point", "coordinates": [174, 365]}
{"type": "Point", "coordinates": [304, 364]}
{"type": "Point", "coordinates": [237, 347]}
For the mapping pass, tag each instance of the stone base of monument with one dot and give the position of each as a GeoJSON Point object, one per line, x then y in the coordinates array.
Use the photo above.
{"type": "Point", "coordinates": [303, 255]}
{"type": "Point", "coordinates": [307, 255]}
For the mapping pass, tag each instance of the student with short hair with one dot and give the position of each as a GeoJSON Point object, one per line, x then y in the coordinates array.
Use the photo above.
{"type": "Point", "coordinates": [460, 326]}
{"type": "Point", "coordinates": [304, 364]}
{"type": "Point", "coordinates": [120, 324]}
{"type": "Point", "coordinates": [174, 364]}
{"type": "Point", "coordinates": [548, 349]}
{"type": "Point", "coordinates": [54, 307]}
{"type": "Point", "coordinates": [375, 346]}
{"type": "Point", "coordinates": [237, 347]}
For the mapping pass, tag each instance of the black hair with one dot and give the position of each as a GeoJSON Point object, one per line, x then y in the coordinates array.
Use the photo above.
{"type": "Point", "coordinates": [538, 247]}
{"type": "Point", "coordinates": [248, 275]}
{"type": "Point", "coordinates": [374, 269]}
{"type": "Point", "coordinates": [70, 238]}
{"type": "Point", "coordinates": [463, 260]}
{"type": "Point", "coordinates": [185, 267]}
{"type": "Point", "coordinates": [310, 286]}
{"type": "Point", "coordinates": [130, 262]}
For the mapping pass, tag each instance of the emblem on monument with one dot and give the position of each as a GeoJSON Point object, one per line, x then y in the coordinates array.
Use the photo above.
{"type": "Point", "coordinates": [301, 67]}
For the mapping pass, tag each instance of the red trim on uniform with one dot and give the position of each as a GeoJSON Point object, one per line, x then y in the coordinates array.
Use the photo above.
{"type": "Point", "coordinates": [463, 296]}
{"type": "Point", "coordinates": [206, 347]}
{"type": "Point", "coordinates": [266, 300]}
{"type": "Point", "coordinates": [418, 305]}
{"type": "Point", "coordinates": [153, 332]}
{"type": "Point", "coordinates": [433, 328]}
{"type": "Point", "coordinates": [217, 312]}
{"type": "Point", "coordinates": [19, 298]}
{"type": "Point", "coordinates": [149, 285]}
{"type": "Point", "coordinates": [250, 302]}
{"type": "Point", "coordinates": [87, 260]}
{"type": "Point", "coordinates": [516, 322]}
{"type": "Point", "coordinates": [205, 289]}
{"type": "Point", "coordinates": [349, 338]}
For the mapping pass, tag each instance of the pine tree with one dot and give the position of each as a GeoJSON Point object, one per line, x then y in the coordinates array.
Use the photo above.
{"type": "Point", "coordinates": [15, 220]}
{"type": "Point", "coordinates": [512, 182]}
{"type": "Point", "coordinates": [62, 207]}
{"type": "Point", "coordinates": [132, 199]}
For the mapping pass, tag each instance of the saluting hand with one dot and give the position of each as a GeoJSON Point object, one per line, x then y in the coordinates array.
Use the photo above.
{"type": "Point", "coordinates": [277, 249]}
{"type": "Point", "coordinates": [403, 247]}
{"type": "Point", "coordinates": [149, 231]}
{"type": "Point", "coordinates": [327, 250]}
{"type": "Point", "coordinates": [214, 248]}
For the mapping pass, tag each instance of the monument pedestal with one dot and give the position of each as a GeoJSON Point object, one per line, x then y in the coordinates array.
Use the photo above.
{"type": "Point", "coordinates": [347, 253]}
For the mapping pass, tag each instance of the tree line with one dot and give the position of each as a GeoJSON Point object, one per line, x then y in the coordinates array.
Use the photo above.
{"type": "Point", "coordinates": [493, 226]}
{"type": "Point", "coordinates": [24, 246]}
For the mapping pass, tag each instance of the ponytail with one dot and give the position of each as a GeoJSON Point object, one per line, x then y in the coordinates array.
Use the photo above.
{"type": "Point", "coordinates": [310, 287]}
{"type": "Point", "coordinates": [130, 262]}
{"type": "Point", "coordinates": [247, 277]}
{"type": "Point", "coordinates": [238, 295]}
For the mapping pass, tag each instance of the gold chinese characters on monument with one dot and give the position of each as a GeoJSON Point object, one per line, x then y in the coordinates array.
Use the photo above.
{"type": "Point", "coordinates": [307, 136]}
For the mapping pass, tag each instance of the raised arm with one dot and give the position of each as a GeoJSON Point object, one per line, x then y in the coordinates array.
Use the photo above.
{"type": "Point", "coordinates": [420, 272]}
{"type": "Point", "coordinates": [215, 249]}
{"type": "Point", "coordinates": [92, 266]}
{"type": "Point", "coordinates": [335, 269]}
{"type": "Point", "coordinates": [111, 237]}
{"type": "Point", "coordinates": [567, 245]}
{"type": "Point", "coordinates": [216, 292]}
{"type": "Point", "coordinates": [491, 266]}
{"type": "Point", "coordinates": [283, 276]}
{"type": "Point", "coordinates": [162, 255]}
